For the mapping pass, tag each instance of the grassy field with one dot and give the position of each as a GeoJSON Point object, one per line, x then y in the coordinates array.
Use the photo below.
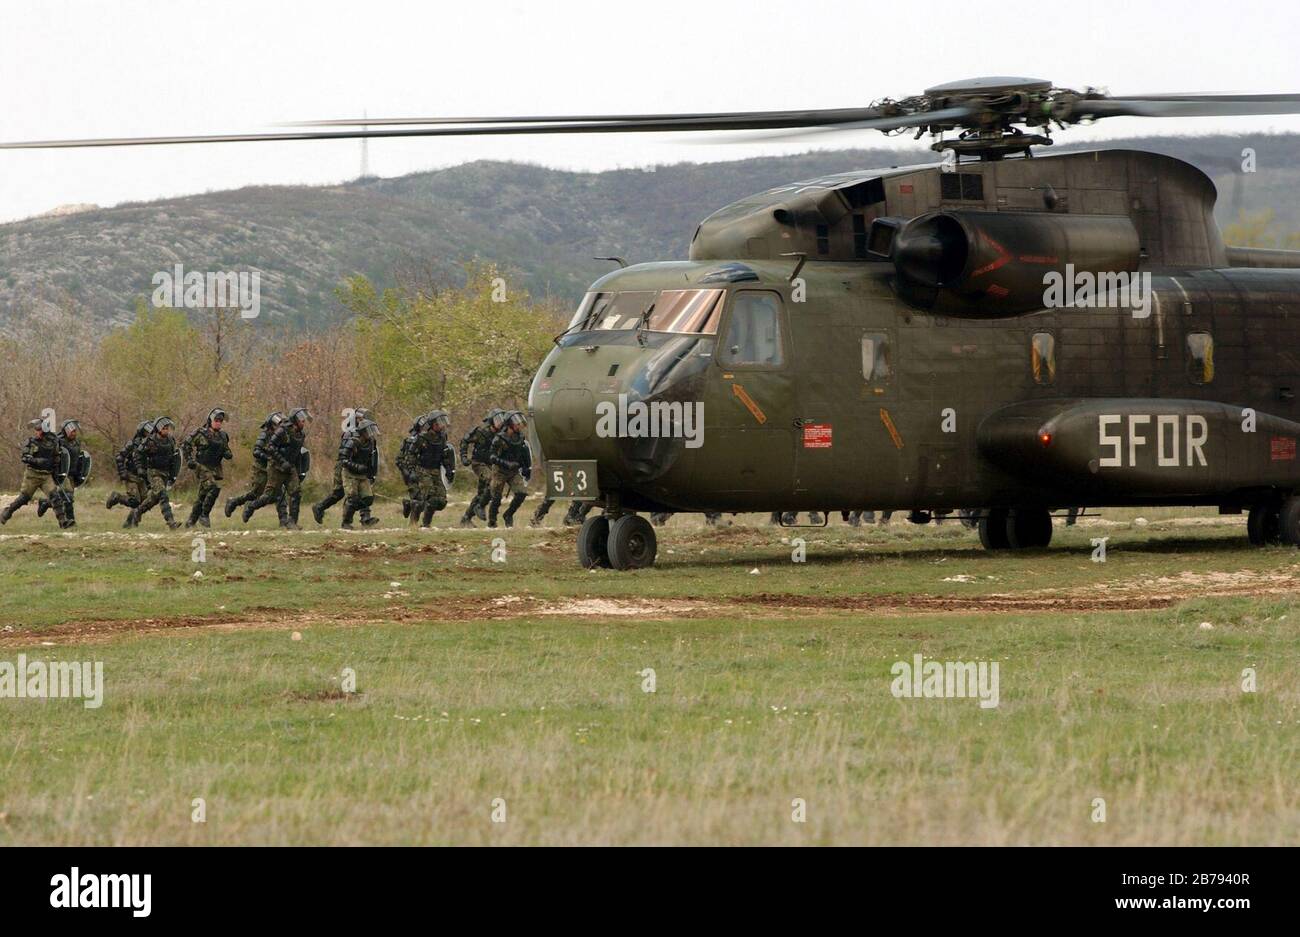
{"type": "Point", "coordinates": [523, 683]}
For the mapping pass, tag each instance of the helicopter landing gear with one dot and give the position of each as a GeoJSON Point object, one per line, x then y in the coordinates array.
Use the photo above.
{"type": "Point", "coordinates": [1015, 528]}
{"type": "Point", "coordinates": [993, 529]}
{"type": "Point", "coordinates": [1289, 520]}
{"type": "Point", "coordinates": [593, 540]}
{"type": "Point", "coordinates": [624, 542]}
{"type": "Point", "coordinates": [1264, 525]}
{"type": "Point", "coordinates": [1029, 528]}
{"type": "Point", "coordinates": [632, 543]}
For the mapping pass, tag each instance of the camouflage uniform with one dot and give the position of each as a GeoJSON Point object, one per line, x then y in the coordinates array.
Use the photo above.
{"type": "Point", "coordinates": [283, 470]}
{"type": "Point", "coordinates": [357, 460]}
{"type": "Point", "coordinates": [157, 459]}
{"type": "Point", "coordinates": [511, 468]}
{"type": "Point", "coordinates": [205, 450]}
{"type": "Point", "coordinates": [68, 483]}
{"type": "Point", "coordinates": [430, 457]}
{"type": "Point", "coordinates": [257, 481]}
{"type": "Point", "coordinates": [337, 492]}
{"type": "Point", "coordinates": [42, 457]}
{"type": "Point", "coordinates": [133, 482]}
{"type": "Point", "coordinates": [475, 452]}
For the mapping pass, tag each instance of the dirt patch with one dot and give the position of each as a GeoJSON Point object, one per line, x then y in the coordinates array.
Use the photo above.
{"type": "Point", "coordinates": [616, 608]}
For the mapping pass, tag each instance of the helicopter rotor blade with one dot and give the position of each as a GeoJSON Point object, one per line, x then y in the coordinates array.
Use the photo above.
{"type": "Point", "coordinates": [454, 127]}
{"type": "Point", "coordinates": [1189, 105]}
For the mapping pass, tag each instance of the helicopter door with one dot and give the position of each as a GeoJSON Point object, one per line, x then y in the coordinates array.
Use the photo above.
{"type": "Point", "coordinates": [752, 447]}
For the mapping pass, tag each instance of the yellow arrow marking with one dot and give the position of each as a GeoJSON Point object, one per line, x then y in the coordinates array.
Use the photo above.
{"type": "Point", "coordinates": [893, 430]}
{"type": "Point", "coordinates": [748, 401]}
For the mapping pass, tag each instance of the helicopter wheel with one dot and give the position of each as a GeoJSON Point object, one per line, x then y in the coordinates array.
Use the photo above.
{"type": "Point", "coordinates": [1289, 521]}
{"type": "Point", "coordinates": [632, 543]}
{"type": "Point", "coordinates": [1264, 526]}
{"type": "Point", "coordinates": [993, 529]}
{"type": "Point", "coordinates": [593, 539]}
{"type": "Point", "coordinates": [1029, 528]}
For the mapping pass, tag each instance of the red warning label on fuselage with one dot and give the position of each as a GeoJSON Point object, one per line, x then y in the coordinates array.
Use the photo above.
{"type": "Point", "coordinates": [1283, 448]}
{"type": "Point", "coordinates": [817, 436]}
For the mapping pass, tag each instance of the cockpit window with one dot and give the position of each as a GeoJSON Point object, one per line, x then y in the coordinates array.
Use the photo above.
{"type": "Point", "coordinates": [692, 311]}
{"type": "Point", "coordinates": [687, 311]}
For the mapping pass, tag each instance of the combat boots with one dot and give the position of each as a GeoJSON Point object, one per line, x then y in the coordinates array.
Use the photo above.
{"type": "Point", "coordinates": [350, 507]}
{"type": "Point", "coordinates": [165, 505]}
{"type": "Point", "coordinates": [41, 507]}
{"type": "Point", "coordinates": [14, 505]}
{"type": "Point", "coordinates": [195, 511]}
{"type": "Point", "coordinates": [492, 512]}
{"type": "Point", "coordinates": [324, 504]}
{"type": "Point", "coordinates": [509, 516]}
{"type": "Point", "coordinates": [205, 514]}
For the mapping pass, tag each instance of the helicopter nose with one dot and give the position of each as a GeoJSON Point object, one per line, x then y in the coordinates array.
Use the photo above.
{"type": "Point", "coordinates": [572, 414]}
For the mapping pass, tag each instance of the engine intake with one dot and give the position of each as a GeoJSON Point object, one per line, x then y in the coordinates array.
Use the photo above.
{"type": "Point", "coordinates": [988, 264]}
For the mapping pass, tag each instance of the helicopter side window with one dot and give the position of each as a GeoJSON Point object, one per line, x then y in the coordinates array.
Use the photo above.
{"type": "Point", "coordinates": [1200, 357]}
{"type": "Point", "coordinates": [1042, 357]}
{"type": "Point", "coordinates": [877, 363]}
{"type": "Point", "coordinates": [754, 332]}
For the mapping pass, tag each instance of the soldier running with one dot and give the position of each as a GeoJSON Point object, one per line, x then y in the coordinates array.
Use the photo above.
{"type": "Point", "coordinates": [158, 460]}
{"type": "Point", "coordinates": [42, 457]}
{"type": "Point", "coordinates": [337, 493]}
{"type": "Point", "coordinates": [205, 449]}
{"type": "Point", "coordinates": [430, 457]}
{"type": "Point", "coordinates": [284, 470]}
{"type": "Point", "coordinates": [511, 467]}
{"type": "Point", "coordinates": [475, 452]}
{"type": "Point", "coordinates": [78, 472]}
{"type": "Point", "coordinates": [358, 456]}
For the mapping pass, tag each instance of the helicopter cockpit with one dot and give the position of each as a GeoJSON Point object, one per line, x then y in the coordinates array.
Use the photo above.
{"type": "Point", "coordinates": [690, 311]}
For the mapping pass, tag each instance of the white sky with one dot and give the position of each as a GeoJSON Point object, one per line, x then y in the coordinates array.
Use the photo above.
{"type": "Point", "coordinates": [146, 67]}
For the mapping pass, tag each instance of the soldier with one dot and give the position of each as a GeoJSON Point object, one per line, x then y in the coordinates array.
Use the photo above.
{"type": "Point", "coordinates": [337, 493]}
{"type": "Point", "coordinates": [475, 450]}
{"type": "Point", "coordinates": [430, 457]}
{"type": "Point", "coordinates": [158, 460]}
{"type": "Point", "coordinates": [134, 483]}
{"type": "Point", "coordinates": [42, 458]}
{"type": "Point", "coordinates": [286, 465]}
{"type": "Point", "coordinates": [205, 450]}
{"type": "Point", "coordinates": [512, 467]}
{"type": "Point", "coordinates": [406, 465]}
{"type": "Point", "coordinates": [576, 514]}
{"type": "Point", "coordinates": [258, 481]}
{"type": "Point", "coordinates": [358, 456]}
{"type": "Point", "coordinates": [79, 463]}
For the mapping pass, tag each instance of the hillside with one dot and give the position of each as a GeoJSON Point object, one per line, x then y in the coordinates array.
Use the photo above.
{"type": "Point", "coordinates": [543, 224]}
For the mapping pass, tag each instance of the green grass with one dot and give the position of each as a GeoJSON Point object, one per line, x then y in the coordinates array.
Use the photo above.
{"type": "Point", "coordinates": [478, 680]}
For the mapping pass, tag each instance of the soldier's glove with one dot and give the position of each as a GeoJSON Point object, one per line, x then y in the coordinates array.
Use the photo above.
{"type": "Point", "coordinates": [192, 466]}
{"type": "Point", "coordinates": [227, 454]}
{"type": "Point", "coordinates": [451, 476]}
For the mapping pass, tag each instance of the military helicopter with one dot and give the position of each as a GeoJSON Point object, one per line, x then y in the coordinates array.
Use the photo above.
{"type": "Point", "coordinates": [1003, 330]}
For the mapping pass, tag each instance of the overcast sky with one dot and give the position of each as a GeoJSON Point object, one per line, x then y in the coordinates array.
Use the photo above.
{"type": "Point", "coordinates": [146, 67]}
